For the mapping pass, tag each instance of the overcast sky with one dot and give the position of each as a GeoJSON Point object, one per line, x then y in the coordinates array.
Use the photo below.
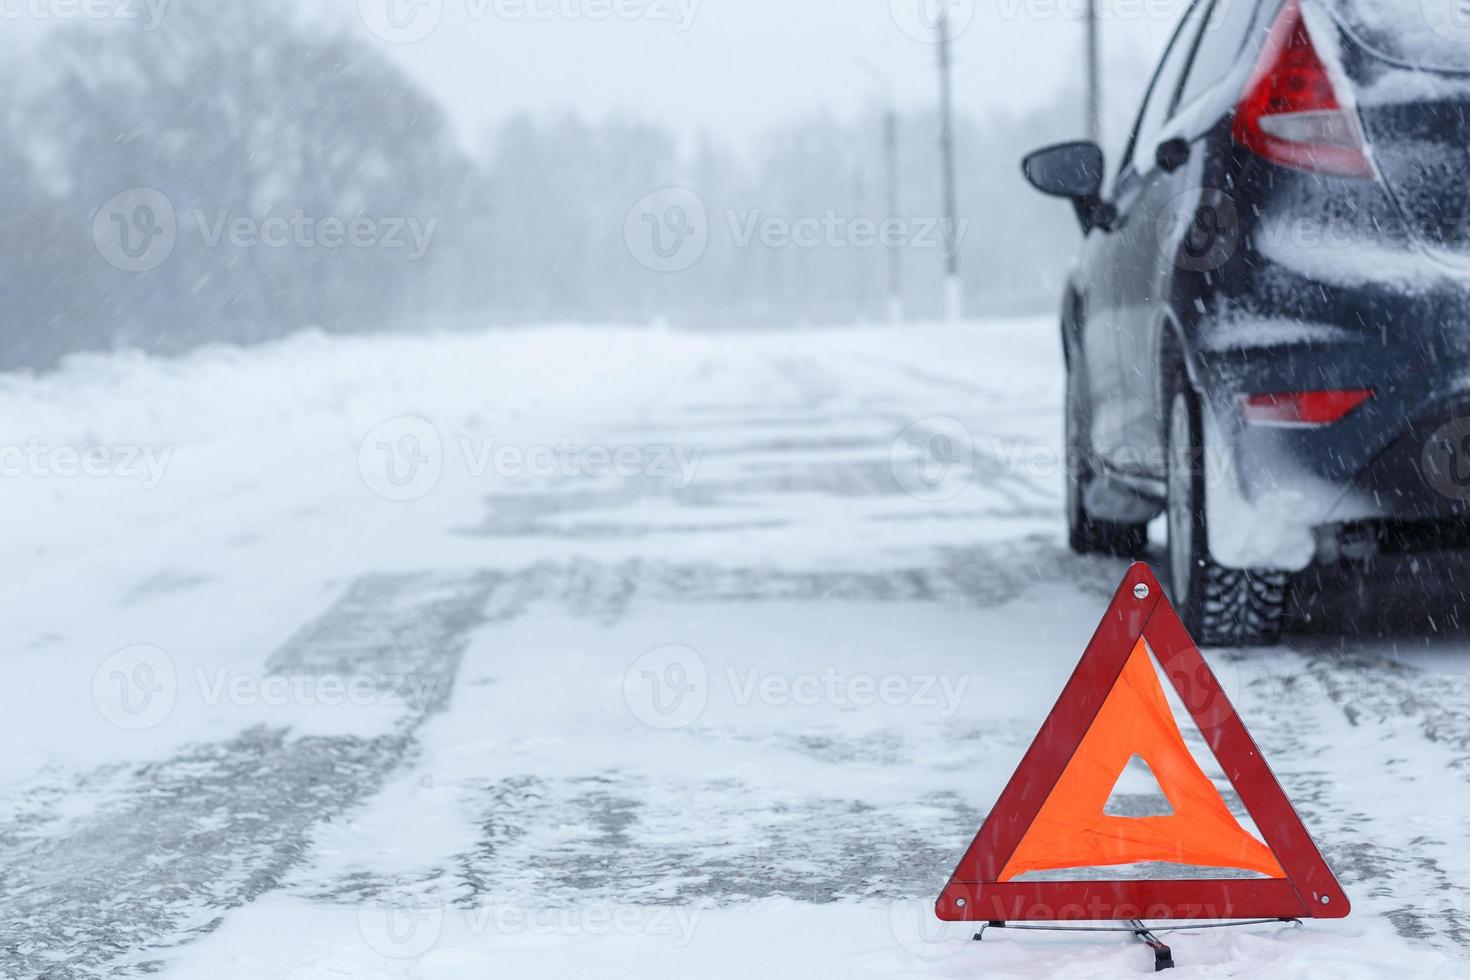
{"type": "Point", "coordinates": [735, 66]}
{"type": "Point", "coordinates": [728, 66]}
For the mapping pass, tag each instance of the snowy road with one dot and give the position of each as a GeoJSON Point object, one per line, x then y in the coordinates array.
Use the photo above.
{"type": "Point", "coordinates": [703, 655]}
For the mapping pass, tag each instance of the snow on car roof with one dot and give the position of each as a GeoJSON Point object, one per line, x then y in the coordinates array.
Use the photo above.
{"type": "Point", "coordinates": [1431, 34]}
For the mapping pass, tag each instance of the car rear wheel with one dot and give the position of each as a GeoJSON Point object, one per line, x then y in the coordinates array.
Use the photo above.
{"type": "Point", "coordinates": [1224, 607]}
{"type": "Point", "coordinates": [1086, 534]}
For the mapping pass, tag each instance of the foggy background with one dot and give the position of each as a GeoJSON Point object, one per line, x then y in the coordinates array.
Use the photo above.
{"type": "Point", "coordinates": [179, 172]}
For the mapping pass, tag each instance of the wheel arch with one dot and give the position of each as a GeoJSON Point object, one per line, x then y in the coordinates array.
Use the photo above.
{"type": "Point", "coordinates": [1071, 324]}
{"type": "Point", "coordinates": [1174, 361]}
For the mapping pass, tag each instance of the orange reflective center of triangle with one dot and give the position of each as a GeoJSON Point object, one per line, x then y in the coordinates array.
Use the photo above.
{"type": "Point", "coordinates": [1072, 831]}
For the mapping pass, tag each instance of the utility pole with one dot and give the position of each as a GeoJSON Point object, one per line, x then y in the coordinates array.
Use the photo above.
{"type": "Point", "coordinates": [953, 291]}
{"type": "Point", "coordinates": [890, 168]}
{"type": "Point", "coordinates": [862, 284]}
{"type": "Point", "coordinates": [895, 257]}
{"type": "Point", "coordinates": [1094, 76]}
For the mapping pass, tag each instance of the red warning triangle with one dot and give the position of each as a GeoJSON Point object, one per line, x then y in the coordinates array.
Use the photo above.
{"type": "Point", "coordinates": [1051, 816]}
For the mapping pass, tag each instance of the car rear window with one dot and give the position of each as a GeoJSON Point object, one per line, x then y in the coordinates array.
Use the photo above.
{"type": "Point", "coordinates": [1432, 34]}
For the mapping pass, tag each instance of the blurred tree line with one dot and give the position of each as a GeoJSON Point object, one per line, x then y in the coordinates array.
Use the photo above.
{"type": "Point", "coordinates": [249, 111]}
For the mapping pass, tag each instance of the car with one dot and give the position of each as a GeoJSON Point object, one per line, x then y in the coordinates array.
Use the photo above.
{"type": "Point", "coordinates": [1266, 331]}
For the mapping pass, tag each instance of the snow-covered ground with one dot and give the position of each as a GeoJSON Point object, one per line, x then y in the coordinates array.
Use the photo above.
{"type": "Point", "coordinates": [607, 652]}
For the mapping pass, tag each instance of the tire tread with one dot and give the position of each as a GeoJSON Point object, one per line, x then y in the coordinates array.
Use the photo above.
{"type": "Point", "coordinates": [1241, 607]}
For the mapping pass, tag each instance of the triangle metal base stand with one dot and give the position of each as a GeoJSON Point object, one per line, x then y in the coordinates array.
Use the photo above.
{"type": "Point", "coordinates": [1163, 955]}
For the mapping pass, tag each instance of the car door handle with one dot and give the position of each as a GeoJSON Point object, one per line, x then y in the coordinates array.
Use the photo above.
{"type": "Point", "coordinates": [1172, 154]}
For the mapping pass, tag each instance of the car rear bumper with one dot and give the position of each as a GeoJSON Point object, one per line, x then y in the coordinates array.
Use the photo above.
{"type": "Point", "coordinates": [1394, 473]}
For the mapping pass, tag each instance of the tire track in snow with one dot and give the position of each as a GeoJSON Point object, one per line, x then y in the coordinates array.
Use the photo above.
{"type": "Point", "coordinates": [976, 576]}
{"type": "Point", "coordinates": [618, 837]}
{"type": "Point", "coordinates": [1311, 713]}
{"type": "Point", "coordinates": [1008, 484]}
{"type": "Point", "coordinates": [1383, 701]}
{"type": "Point", "coordinates": [181, 841]}
{"type": "Point", "coordinates": [621, 840]}
{"type": "Point", "coordinates": [570, 514]}
{"type": "Point", "coordinates": [223, 823]}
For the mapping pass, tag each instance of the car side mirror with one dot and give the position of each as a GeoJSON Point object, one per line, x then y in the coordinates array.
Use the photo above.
{"type": "Point", "coordinates": [1074, 171]}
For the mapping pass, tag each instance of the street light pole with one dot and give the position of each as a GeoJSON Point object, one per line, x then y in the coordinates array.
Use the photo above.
{"type": "Point", "coordinates": [953, 292]}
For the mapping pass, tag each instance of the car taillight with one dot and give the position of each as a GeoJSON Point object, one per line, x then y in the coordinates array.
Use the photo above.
{"type": "Point", "coordinates": [1290, 113]}
{"type": "Point", "coordinates": [1302, 408]}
